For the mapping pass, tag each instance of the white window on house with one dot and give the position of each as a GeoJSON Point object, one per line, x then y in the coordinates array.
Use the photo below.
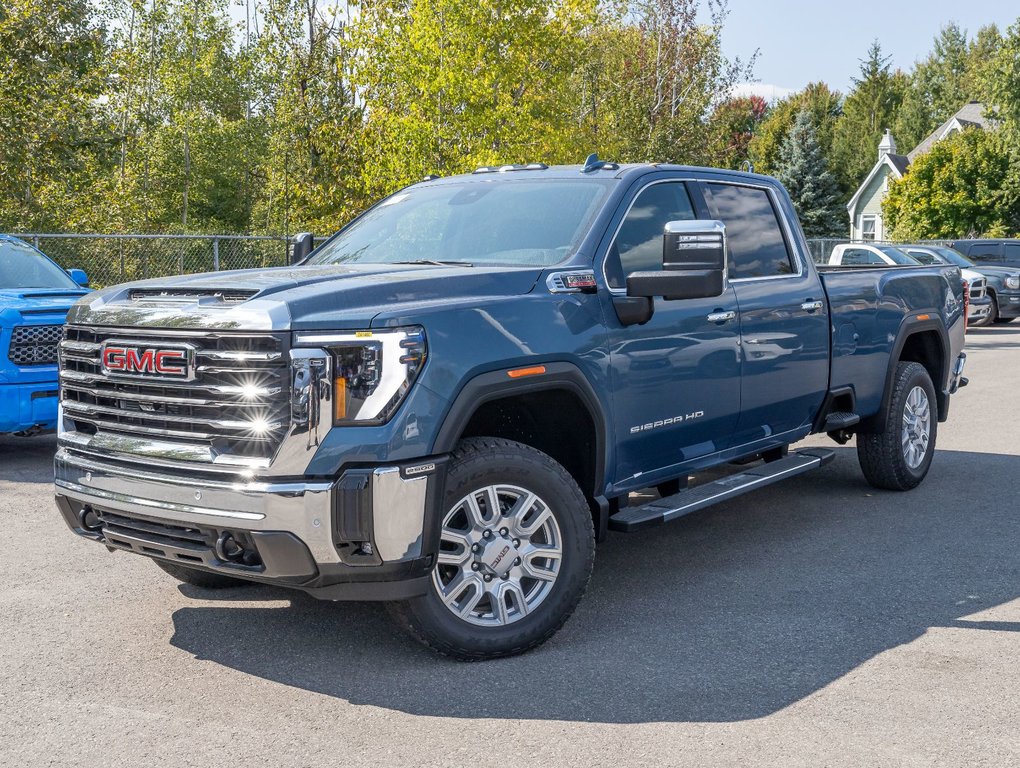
{"type": "Point", "coordinates": [868, 225]}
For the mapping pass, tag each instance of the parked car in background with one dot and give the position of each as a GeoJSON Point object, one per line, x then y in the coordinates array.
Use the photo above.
{"type": "Point", "coordinates": [999, 262]}
{"type": "Point", "coordinates": [35, 294]}
{"type": "Point", "coordinates": [982, 306]}
{"type": "Point", "coordinates": [863, 255]}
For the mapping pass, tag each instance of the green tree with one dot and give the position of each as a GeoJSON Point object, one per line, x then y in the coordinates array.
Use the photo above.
{"type": "Point", "coordinates": [868, 110]}
{"type": "Point", "coordinates": [448, 85]}
{"type": "Point", "coordinates": [806, 176]}
{"type": "Point", "coordinates": [950, 76]}
{"type": "Point", "coordinates": [963, 187]}
{"type": "Point", "coordinates": [733, 125]}
{"type": "Point", "coordinates": [823, 105]}
{"type": "Point", "coordinates": [315, 165]}
{"type": "Point", "coordinates": [662, 71]}
{"type": "Point", "coordinates": [56, 138]}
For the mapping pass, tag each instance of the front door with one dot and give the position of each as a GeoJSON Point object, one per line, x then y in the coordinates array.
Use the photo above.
{"type": "Point", "coordinates": [784, 322]}
{"type": "Point", "coordinates": [676, 379]}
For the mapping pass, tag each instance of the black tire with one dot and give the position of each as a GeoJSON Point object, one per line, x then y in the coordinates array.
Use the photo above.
{"type": "Point", "coordinates": [881, 454]}
{"type": "Point", "coordinates": [477, 463]}
{"type": "Point", "coordinates": [993, 314]}
{"type": "Point", "coordinates": [199, 578]}
{"type": "Point", "coordinates": [1004, 320]}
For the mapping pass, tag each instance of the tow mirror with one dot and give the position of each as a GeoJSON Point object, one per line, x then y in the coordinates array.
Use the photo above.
{"type": "Point", "coordinates": [304, 244]}
{"type": "Point", "coordinates": [79, 276]}
{"type": "Point", "coordinates": [693, 263]}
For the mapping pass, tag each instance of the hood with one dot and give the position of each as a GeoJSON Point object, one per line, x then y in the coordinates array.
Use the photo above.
{"type": "Point", "coordinates": [340, 296]}
{"type": "Point", "coordinates": [995, 271]}
{"type": "Point", "coordinates": [971, 275]}
{"type": "Point", "coordinates": [27, 302]}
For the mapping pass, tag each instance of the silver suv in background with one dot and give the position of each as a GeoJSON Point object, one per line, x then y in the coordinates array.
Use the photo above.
{"type": "Point", "coordinates": [1002, 284]}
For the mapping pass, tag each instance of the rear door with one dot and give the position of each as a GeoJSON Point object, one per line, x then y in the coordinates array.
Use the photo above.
{"type": "Point", "coordinates": [784, 323]}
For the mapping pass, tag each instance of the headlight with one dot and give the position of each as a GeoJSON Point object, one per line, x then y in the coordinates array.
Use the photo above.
{"type": "Point", "coordinates": [373, 372]}
{"type": "Point", "coordinates": [1013, 281]}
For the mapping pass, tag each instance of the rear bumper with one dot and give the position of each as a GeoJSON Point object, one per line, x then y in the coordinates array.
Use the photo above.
{"type": "Point", "coordinates": [370, 535]}
{"type": "Point", "coordinates": [28, 406]}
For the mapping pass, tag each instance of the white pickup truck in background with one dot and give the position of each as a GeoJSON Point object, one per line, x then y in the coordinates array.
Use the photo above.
{"type": "Point", "coordinates": [866, 255]}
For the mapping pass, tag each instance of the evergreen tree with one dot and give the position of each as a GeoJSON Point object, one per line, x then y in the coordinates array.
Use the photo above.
{"type": "Point", "coordinates": [869, 109]}
{"type": "Point", "coordinates": [820, 101]}
{"type": "Point", "coordinates": [805, 174]}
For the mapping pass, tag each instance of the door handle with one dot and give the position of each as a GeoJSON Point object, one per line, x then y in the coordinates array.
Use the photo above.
{"type": "Point", "coordinates": [721, 317]}
{"type": "Point", "coordinates": [811, 306]}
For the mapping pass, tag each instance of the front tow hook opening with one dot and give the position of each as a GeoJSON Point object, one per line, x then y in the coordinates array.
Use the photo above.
{"type": "Point", "coordinates": [229, 550]}
{"type": "Point", "coordinates": [89, 520]}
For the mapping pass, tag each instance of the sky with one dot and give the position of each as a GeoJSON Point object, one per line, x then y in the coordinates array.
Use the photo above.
{"type": "Point", "coordinates": [801, 42]}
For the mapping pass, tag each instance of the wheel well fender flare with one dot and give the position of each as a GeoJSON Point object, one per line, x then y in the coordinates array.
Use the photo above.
{"type": "Point", "coordinates": [911, 327]}
{"type": "Point", "coordinates": [495, 385]}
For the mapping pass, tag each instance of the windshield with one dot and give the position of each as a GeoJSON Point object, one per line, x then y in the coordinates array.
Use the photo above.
{"type": "Point", "coordinates": [507, 223]}
{"type": "Point", "coordinates": [897, 256]}
{"type": "Point", "coordinates": [24, 267]}
{"type": "Point", "coordinates": [954, 257]}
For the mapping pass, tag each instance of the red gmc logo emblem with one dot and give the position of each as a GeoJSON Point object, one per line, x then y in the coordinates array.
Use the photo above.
{"type": "Point", "coordinates": [131, 360]}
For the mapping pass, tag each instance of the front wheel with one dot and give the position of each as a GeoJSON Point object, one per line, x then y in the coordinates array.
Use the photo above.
{"type": "Point", "coordinates": [898, 458]}
{"type": "Point", "coordinates": [516, 551]}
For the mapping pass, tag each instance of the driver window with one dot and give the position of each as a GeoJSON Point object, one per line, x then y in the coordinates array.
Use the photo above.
{"type": "Point", "coordinates": [638, 244]}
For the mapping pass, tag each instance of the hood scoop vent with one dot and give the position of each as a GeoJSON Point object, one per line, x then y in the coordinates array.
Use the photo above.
{"type": "Point", "coordinates": [191, 295]}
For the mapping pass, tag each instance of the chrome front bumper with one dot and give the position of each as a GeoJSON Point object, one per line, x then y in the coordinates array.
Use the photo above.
{"type": "Point", "coordinates": [369, 525]}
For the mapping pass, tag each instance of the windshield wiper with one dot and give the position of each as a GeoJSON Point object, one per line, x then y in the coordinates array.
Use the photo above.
{"type": "Point", "coordinates": [435, 263]}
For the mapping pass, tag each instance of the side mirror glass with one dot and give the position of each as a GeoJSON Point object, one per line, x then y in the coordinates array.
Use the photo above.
{"type": "Point", "coordinates": [693, 263]}
{"type": "Point", "coordinates": [79, 276]}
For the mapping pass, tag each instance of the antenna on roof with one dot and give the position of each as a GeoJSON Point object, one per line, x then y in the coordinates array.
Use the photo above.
{"type": "Point", "coordinates": [592, 163]}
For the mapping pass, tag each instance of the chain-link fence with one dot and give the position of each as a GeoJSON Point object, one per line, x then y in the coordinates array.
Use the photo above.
{"type": "Point", "coordinates": [111, 259]}
{"type": "Point", "coordinates": [821, 247]}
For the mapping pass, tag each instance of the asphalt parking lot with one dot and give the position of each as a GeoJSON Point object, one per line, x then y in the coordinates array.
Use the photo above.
{"type": "Point", "coordinates": [814, 623]}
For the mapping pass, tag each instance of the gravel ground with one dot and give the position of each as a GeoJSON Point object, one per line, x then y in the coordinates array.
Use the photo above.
{"type": "Point", "coordinates": [818, 622]}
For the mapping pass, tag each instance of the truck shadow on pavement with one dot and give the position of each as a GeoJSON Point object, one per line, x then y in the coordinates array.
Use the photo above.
{"type": "Point", "coordinates": [729, 614]}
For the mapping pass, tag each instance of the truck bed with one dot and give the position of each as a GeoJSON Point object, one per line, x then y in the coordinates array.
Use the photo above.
{"type": "Point", "coordinates": [867, 307]}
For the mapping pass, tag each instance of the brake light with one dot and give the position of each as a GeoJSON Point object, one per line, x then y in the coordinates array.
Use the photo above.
{"type": "Point", "coordinates": [966, 302]}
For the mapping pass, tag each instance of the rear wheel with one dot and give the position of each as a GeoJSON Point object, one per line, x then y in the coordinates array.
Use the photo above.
{"type": "Point", "coordinates": [516, 552]}
{"type": "Point", "coordinates": [898, 458]}
{"type": "Point", "coordinates": [199, 578]}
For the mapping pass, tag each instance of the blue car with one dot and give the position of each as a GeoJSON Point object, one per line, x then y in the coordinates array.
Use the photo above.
{"type": "Point", "coordinates": [35, 294]}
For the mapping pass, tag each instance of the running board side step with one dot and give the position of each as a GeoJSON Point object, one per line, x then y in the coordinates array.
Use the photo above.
{"type": "Point", "coordinates": [691, 500]}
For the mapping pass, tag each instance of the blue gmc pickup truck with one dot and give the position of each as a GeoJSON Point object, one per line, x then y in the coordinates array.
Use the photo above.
{"type": "Point", "coordinates": [35, 295]}
{"type": "Point", "coordinates": [449, 402]}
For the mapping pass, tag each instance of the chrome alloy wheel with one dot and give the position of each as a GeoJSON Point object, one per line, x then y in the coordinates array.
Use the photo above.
{"type": "Point", "coordinates": [500, 551]}
{"type": "Point", "coordinates": [916, 427]}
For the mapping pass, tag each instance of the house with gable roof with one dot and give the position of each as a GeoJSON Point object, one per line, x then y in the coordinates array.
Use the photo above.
{"type": "Point", "coordinates": [865, 207]}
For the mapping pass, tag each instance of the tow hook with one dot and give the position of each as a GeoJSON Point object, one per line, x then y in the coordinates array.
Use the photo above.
{"type": "Point", "coordinates": [227, 548]}
{"type": "Point", "coordinates": [88, 520]}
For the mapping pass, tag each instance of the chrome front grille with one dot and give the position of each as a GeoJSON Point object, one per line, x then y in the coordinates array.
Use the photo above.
{"type": "Point", "coordinates": [978, 288]}
{"type": "Point", "coordinates": [34, 344]}
{"type": "Point", "coordinates": [235, 411]}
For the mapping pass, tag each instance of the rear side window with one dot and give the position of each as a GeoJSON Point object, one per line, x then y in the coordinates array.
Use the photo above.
{"type": "Point", "coordinates": [924, 257]}
{"type": "Point", "coordinates": [753, 232]}
{"type": "Point", "coordinates": [638, 244]}
{"type": "Point", "coordinates": [856, 257]}
{"type": "Point", "coordinates": [1011, 254]}
{"type": "Point", "coordinates": [985, 252]}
